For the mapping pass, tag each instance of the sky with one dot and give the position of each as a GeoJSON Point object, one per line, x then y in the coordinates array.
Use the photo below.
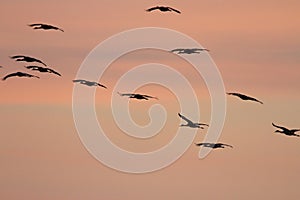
{"type": "Point", "coordinates": [254, 44]}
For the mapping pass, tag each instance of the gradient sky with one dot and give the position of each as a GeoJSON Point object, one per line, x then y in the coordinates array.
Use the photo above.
{"type": "Point", "coordinates": [255, 45]}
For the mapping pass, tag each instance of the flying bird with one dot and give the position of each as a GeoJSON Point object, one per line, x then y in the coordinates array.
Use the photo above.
{"type": "Point", "coordinates": [244, 97]}
{"type": "Point", "coordinates": [285, 131]}
{"type": "Point", "coordinates": [190, 123]}
{"type": "Point", "coordinates": [188, 51]}
{"type": "Point", "coordinates": [163, 9]}
{"type": "Point", "coordinates": [214, 145]}
{"type": "Point", "coordinates": [42, 69]}
{"type": "Point", "coordinates": [19, 58]}
{"type": "Point", "coordinates": [137, 96]}
{"type": "Point", "coordinates": [89, 83]}
{"type": "Point", "coordinates": [19, 74]}
{"type": "Point", "coordinates": [45, 27]}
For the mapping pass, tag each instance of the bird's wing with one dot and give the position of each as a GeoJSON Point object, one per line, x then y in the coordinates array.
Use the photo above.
{"type": "Point", "coordinates": [30, 75]}
{"type": "Point", "coordinates": [174, 50]}
{"type": "Point", "coordinates": [295, 130]}
{"type": "Point", "coordinates": [281, 127]}
{"type": "Point", "coordinates": [244, 97]}
{"type": "Point", "coordinates": [101, 85]}
{"type": "Point", "coordinates": [227, 145]}
{"type": "Point", "coordinates": [233, 93]}
{"type": "Point", "coordinates": [16, 56]}
{"type": "Point", "coordinates": [147, 96]}
{"type": "Point", "coordinates": [32, 67]}
{"type": "Point", "coordinates": [174, 10]}
{"type": "Point", "coordinates": [77, 80]}
{"type": "Point", "coordinates": [254, 99]}
{"type": "Point", "coordinates": [39, 61]}
{"type": "Point", "coordinates": [202, 124]}
{"type": "Point", "coordinates": [199, 144]}
{"type": "Point", "coordinates": [31, 25]}
{"type": "Point", "coordinates": [153, 8]}
{"type": "Point", "coordinates": [54, 72]}
{"type": "Point", "coordinates": [198, 49]}
{"type": "Point", "coordinates": [122, 94]}
{"type": "Point", "coordinates": [9, 75]}
{"type": "Point", "coordinates": [56, 28]}
{"type": "Point", "coordinates": [184, 118]}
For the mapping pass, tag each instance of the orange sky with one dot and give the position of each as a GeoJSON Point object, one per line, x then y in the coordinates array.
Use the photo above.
{"type": "Point", "coordinates": [255, 45]}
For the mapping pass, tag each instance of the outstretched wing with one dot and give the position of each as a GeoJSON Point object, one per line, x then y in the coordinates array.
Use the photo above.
{"type": "Point", "coordinates": [174, 10]}
{"type": "Point", "coordinates": [151, 9]}
{"type": "Point", "coordinates": [199, 144]}
{"type": "Point", "coordinates": [202, 124]}
{"type": "Point", "coordinates": [184, 118]}
{"type": "Point", "coordinates": [39, 61]}
{"type": "Point", "coordinates": [124, 94]}
{"type": "Point", "coordinates": [197, 49]}
{"type": "Point", "coordinates": [16, 56]}
{"type": "Point", "coordinates": [78, 80]}
{"type": "Point", "coordinates": [227, 145]}
{"type": "Point", "coordinates": [9, 75]}
{"type": "Point", "coordinates": [54, 72]}
{"type": "Point", "coordinates": [179, 50]}
{"type": "Point", "coordinates": [31, 25]}
{"type": "Point", "coordinates": [101, 85]}
{"type": "Point", "coordinates": [244, 97]}
{"type": "Point", "coordinates": [281, 127]}
{"type": "Point", "coordinates": [295, 130]}
{"type": "Point", "coordinates": [147, 96]}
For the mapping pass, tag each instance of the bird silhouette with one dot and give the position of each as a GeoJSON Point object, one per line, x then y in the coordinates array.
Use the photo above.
{"type": "Point", "coordinates": [89, 83]}
{"type": "Point", "coordinates": [188, 51]}
{"type": "Point", "coordinates": [19, 58]}
{"type": "Point", "coordinates": [285, 131]}
{"type": "Point", "coordinates": [45, 27]}
{"type": "Point", "coordinates": [214, 145]}
{"type": "Point", "coordinates": [163, 9]}
{"type": "Point", "coordinates": [137, 96]}
{"type": "Point", "coordinates": [244, 97]}
{"type": "Point", "coordinates": [43, 69]}
{"type": "Point", "coordinates": [19, 74]}
{"type": "Point", "coordinates": [190, 123]}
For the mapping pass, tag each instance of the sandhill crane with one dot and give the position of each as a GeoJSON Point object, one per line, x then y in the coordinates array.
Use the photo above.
{"type": "Point", "coordinates": [163, 9]}
{"type": "Point", "coordinates": [137, 96]}
{"type": "Point", "coordinates": [244, 97]}
{"type": "Point", "coordinates": [19, 74]}
{"type": "Point", "coordinates": [285, 131]}
{"type": "Point", "coordinates": [190, 123]}
{"type": "Point", "coordinates": [89, 83]}
{"type": "Point", "coordinates": [45, 27]}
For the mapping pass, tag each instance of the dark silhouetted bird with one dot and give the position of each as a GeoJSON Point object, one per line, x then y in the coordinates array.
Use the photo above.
{"type": "Point", "coordinates": [43, 69]}
{"type": "Point", "coordinates": [138, 96]}
{"type": "Point", "coordinates": [163, 9]}
{"type": "Point", "coordinates": [19, 74]}
{"type": "Point", "coordinates": [188, 51]}
{"type": "Point", "coordinates": [45, 27]}
{"type": "Point", "coordinates": [214, 145]}
{"type": "Point", "coordinates": [244, 97]}
{"type": "Point", "coordinates": [89, 83]}
{"type": "Point", "coordinates": [190, 123]}
{"type": "Point", "coordinates": [285, 131]}
{"type": "Point", "coordinates": [19, 58]}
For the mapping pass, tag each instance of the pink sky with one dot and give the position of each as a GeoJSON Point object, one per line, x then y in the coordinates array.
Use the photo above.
{"type": "Point", "coordinates": [255, 45]}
